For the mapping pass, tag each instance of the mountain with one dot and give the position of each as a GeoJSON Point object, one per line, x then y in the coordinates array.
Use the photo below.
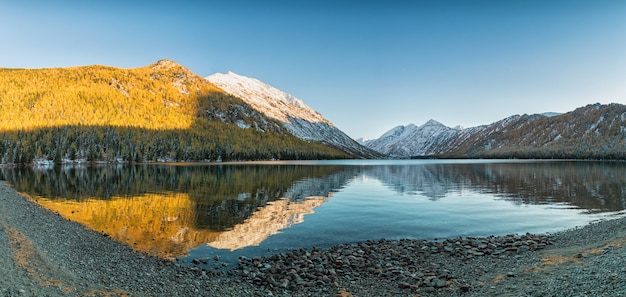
{"type": "Point", "coordinates": [298, 118]}
{"type": "Point", "coordinates": [160, 112]}
{"type": "Point", "coordinates": [591, 132]}
{"type": "Point", "coordinates": [411, 140]}
{"type": "Point", "coordinates": [363, 141]}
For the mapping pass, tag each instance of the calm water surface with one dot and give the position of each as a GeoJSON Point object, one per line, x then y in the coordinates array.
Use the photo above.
{"type": "Point", "coordinates": [202, 210]}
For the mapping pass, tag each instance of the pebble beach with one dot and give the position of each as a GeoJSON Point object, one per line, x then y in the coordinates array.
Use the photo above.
{"type": "Point", "coordinates": [44, 254]}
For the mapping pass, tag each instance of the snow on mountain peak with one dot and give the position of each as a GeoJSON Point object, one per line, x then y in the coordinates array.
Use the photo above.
{"type": "Point", "coordinates": [301, 120]}
{"type": "Point", "coordinates": [396, 131]}
{"type": "Point", "coordinates": [433, 123]}
{"type": "Point", "coordinates": [265, 98]}
{"type": "Point", "coordinates": [550, 114]}
{"type": "Point", "coordinates": [411, 140]}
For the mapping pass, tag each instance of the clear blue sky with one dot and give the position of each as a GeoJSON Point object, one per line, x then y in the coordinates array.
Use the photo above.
{"type": "Point", "coordinates": [367, 66]}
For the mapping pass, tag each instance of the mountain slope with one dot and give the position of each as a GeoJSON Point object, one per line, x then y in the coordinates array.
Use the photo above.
{"type": "Point", "coordinates": [301, 121]}
{"type": "Point", "coordinates": [471, 138]}
{"type": "Point", "coordinates": [594, 131]}
{"type": "Point", "coordinates": [411, 140]}
{"type": "Point", "coordinates": [161, 112]}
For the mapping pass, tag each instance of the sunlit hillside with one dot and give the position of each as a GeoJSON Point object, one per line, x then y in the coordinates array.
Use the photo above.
{"type": "Point", "coordinates": [163, 95]}
{"type": "Point", "coordinates": [161, 112]}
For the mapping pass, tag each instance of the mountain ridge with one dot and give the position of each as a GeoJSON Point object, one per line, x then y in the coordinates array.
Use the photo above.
{"type": "Point", "coordinates": [412, 140]}
{"type": "Point", "coordinates": [594, 131]}
{"type": "Point", "coordinates": [297, 117]}
{"type": "Point", "coordinates": [159, 112]}
{"type": "Point", "coordinates": [165, 112]}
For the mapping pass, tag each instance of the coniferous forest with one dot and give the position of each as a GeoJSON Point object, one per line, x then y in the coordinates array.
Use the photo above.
{"type": "Point", "coordinates": [162, 112]}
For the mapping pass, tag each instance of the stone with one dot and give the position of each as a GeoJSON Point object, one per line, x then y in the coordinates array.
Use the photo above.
{"type": "Point", "coordinates": [510, 274]}
{"type": "Point", "coordinates": [404, 285]}
{"type": "Point", "coordinates": [475, 253]}
{"type": "Point", "coordinates": [437, 283]}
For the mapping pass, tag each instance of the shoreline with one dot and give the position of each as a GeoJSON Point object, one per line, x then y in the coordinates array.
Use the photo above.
{"type": "Point", "coordinates": [45, 254]}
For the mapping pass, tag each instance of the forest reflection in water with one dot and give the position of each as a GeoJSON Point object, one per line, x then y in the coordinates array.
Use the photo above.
{"type": "Point", "coordinates": [169, 210]}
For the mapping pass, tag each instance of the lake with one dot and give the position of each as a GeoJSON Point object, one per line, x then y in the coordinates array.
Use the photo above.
{"type": "Point", "coordinates": [257, 208]}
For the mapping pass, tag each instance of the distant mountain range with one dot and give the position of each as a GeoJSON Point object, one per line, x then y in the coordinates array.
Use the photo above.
{"type": "Point", "coordinates": [165, 113]}
{"type": "Point", "coordinates": [594, 131]}
{"type": "Point", "coordinates": [411, 140]}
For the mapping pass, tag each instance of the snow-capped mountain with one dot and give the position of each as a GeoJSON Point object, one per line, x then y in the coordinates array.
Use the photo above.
{"type": "Point", "coordinates": [594, 131]}
{"type": "Point", "coordinates": [298, 118]}
{"type": "Point", "coordinates": [411, 140]}
{"type": "Point", "coordinates": [363, 141]}
{"type": "Point", "coordinates": [433, 138]}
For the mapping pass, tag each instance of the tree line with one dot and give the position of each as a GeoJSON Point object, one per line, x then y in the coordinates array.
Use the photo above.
{"type": "Point", "coordinates": [210, 141]}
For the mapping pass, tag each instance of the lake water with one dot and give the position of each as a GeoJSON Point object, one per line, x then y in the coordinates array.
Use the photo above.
{"type": "Point", "coordinates": [203, 210]}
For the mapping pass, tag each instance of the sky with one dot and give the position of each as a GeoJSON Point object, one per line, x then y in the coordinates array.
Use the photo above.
{"type": "Point", "coordinates": [367, 66]}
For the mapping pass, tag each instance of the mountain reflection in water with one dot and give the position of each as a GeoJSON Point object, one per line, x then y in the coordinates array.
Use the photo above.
{"type": "Point", "coordinates": [168, 210]}
{"type": "Point", "coordinates": [157, 224]}
{"type": "Point", "coordinates": [589, 185]}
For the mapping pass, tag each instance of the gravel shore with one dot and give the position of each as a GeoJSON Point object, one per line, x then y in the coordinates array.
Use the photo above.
{"type": "Point", "coordinates": [43, 254]}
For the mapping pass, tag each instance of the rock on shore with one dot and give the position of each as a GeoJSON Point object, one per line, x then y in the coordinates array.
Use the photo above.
{"type": "Point", "coordinates": [406, 263]}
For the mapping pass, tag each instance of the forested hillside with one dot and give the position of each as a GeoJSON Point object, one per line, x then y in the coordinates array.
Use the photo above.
{"type": "Point", "coordinates": [162, 112]}
{"type": "Point", "coordinates": [590, 132]}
